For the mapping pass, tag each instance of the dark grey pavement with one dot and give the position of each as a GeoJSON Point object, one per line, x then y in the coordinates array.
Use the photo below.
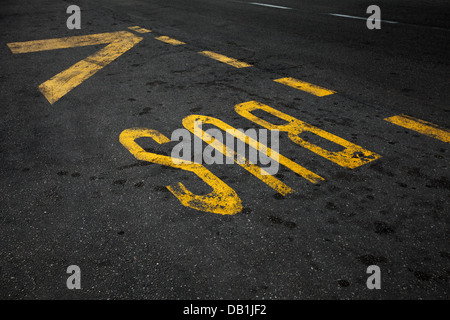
{"type": "Point", "coordinates": [71, 194]}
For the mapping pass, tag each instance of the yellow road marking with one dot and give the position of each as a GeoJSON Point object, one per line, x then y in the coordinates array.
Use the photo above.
{"type": "Point", "coordinates": [230, 61]}
{"type": "Point", "coordinates": [222, 200]}
{"type": "Point", "coordinates": [139, 29]}
{"type": "Point", "coordinates": [421, 126]}
{"type": "Point", "coordinates": [63, 82]}
{"type": "Point", "coordinates": [305, 86]}
{"type": "Point", "coordinates": [189, 123]}
{"type": "Point", "coordinates": [169, 40]}
{"type": "Point", "coordinates": [351, 157]}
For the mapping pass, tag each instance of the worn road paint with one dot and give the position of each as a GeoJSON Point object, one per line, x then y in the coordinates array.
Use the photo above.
{"type": "Point", "coordinates": [421, 126]}
{"type": "Point", "coordinates": [222, 200]}
{"type": "Point", "coordinates": [305, 86]}
{"type": "Point", "coordinates": [64, 43]}
{"type": "Point", "coordinates": [169, 40]}
{"type": "Point", "coordinates": [190, 124]}
{"type": "Point", "coordinates": [351, 157]}
{"type": "Point", "coordinates": [63, 82]}
{"type": "Point", "coordinates": [230, 61]}
{"type": "Point", "coordinates": [359, 18]}
{"type": "Point", "coordinates": [139, 29]}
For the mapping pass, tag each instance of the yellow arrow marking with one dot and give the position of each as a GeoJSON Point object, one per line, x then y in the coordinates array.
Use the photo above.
{"type": "Point", "coordinates": [63, 82]}
{"type": "Point", "coordinates": [230, 61]}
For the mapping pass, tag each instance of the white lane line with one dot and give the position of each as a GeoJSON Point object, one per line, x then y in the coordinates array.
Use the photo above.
{"type": "Point", "coordinates": [360, 18]}
{"type": "Point", "coordinates": [270, 5]}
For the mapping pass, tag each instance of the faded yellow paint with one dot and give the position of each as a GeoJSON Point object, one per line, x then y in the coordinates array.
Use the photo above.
{"type": "Point", "coordinates": [421, 126]}
{"type": "Point", "coordinates": [63, 82]}
{"type": "Point", "coordinates": [230, 61]}
{"type": "Point", "coordinates": [169, 40]}
{"type": "Point", "coordinates": [305, 86]}
{"type": "Point", "coordinates": [139, 29]}
{"type": "Point", "coordinates": [65, 42]}
{"type": "Point", "coordinates": [352, 156]}
{"type": "Point", "coordinates": [189, 123]}
{"type": "Point", "coordinates": [222, 200]}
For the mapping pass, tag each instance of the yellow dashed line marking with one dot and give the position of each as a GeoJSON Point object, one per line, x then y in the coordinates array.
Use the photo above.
{"type": "Point", "coordinates": [305, 86]}
{"type": "Point", "coordinates": [421, 126]}
{"type": "Point", "coordinates": [169, 40]}
{"type": "Point", "coordinates": [230, 61]}
{"type": "Point", "coordinates": [139, 29]}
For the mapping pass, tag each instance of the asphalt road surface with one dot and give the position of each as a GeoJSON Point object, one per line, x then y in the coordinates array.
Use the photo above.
{"type": "Point", "coordinates": [372, 114]}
